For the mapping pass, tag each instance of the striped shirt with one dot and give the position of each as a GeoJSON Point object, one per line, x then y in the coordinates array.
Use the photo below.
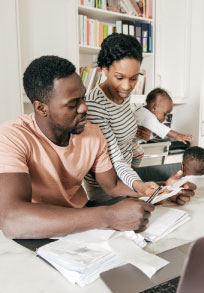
{"type": "Point", "coordinates": [119, 127]}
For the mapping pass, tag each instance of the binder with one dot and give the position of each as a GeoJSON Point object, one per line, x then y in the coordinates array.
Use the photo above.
{"type": "Point", "coordinates": [138, 32]}
{"type": "Point", "coordinates": [144, 37]}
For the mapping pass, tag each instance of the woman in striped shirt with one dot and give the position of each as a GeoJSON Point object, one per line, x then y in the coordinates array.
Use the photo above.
{"type": "Point", "coordinates": [109, 107]}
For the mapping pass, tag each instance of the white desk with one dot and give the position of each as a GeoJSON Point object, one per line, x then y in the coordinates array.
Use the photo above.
{"type": "Point", "coordinates": [22, 272]}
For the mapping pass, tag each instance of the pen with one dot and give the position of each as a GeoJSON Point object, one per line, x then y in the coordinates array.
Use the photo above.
{"type": "Point", "coordinates": [154, 194]}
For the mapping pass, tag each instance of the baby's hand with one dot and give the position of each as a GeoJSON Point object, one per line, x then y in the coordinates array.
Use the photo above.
{"type": "Point", "coordinates": [183, 137]}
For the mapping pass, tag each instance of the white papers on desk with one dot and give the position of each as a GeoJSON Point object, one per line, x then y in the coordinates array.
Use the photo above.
{"type": "Point", "coordinates": [164, 220]}
{"type": "Point", "coordinates": [81, 257]}
{"type": "Point", "coordinates": [197, 180]}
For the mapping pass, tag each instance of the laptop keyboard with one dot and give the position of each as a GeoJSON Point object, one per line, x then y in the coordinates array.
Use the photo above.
{"type": "Point", "coordinates": [166, 287]}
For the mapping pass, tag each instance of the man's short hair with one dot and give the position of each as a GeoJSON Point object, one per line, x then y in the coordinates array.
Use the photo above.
{"type": "Point", "coordinates": [39, 76]}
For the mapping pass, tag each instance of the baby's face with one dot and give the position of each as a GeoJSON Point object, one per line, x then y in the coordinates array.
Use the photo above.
{"type": "Point", "coordinates": [193, 167]}
{"type": "Point", "coordinates": [163, 107]}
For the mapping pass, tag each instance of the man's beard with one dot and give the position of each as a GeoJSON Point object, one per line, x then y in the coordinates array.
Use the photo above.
{"type": "Point", "coordinates": [67, 130]}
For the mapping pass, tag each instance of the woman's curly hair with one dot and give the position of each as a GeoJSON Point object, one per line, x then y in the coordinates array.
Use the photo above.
{"type": "Point", "coordinates": [119, 46]}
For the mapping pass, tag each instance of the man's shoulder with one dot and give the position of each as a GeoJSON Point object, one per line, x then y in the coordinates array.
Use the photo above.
{"type": "Point", "coordinates": [91, 132]}
{"type": "Point", "coordinates": [91, 129]}
{"type": "Point", "coordinates": [18, 122]}
{"type": "Point", "coordinates": [16, 127]}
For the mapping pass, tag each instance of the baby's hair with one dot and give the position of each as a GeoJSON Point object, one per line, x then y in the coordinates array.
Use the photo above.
{"type": "Point", "coordinates": [194, 153]}
{"type": "Point", "coordinates": [117, 47]}
{"type": "Point", "coordinates": [153, 95]}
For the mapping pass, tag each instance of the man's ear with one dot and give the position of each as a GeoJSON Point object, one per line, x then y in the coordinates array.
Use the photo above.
{"type": "Point", "coordinates": [40, 108]}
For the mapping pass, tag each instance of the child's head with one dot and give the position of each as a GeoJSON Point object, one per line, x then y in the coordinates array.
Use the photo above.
{"type": "Point", "coordinates": [159, 103]}
{"type": "Point", "coordinates": [193, 161]}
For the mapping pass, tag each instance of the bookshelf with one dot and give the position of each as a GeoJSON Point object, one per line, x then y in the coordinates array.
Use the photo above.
{"type": "Point", "coordinates": [51, 28]}
{"type": "Point", "coordinates": [88, 54]}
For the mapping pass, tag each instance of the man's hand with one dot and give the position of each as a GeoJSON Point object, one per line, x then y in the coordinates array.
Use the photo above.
{"type": "Point", "coordinates": [183, 195]}
{"type": "Point", "coordinates": [145, 188]}
{"type": "Point", "coordinates": [129, 214]}
{"type": "Point", "coordinates": [143, 133]}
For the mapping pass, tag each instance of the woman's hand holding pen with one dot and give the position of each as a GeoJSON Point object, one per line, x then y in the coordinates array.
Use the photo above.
{"type": "Point", "coordinates": [145, 188]}
{"type": "Point", "coordinates": [184, 195]}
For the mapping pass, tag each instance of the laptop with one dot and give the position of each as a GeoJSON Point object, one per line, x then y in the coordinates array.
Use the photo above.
{"type": "Point", "coordinates": [186, 261]}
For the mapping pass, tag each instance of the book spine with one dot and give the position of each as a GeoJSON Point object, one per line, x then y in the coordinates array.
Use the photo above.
{"type": "Point", "coordinates": [150, 43]}
{"type": "Point", "coordinates": [130, 8]}
{"type": "Point", "coordinates": [101, 32]}
{"type": "Point", "coordinates": [144, 36]}
{"type": "Point", "coordinates": [118, 26]}
{"type": "Point", "coordinates": [105, 30]}
{"type": "Point", "coordinates": [88, 32]}
{"type": "Point", "coordinates": [125, 27]}
{"type": "Point", "coordinates": [138, 32]}
{"type": "Point", "coordinates": [131, 29]}
{"type": "Point", "coordinates": [136, 7]}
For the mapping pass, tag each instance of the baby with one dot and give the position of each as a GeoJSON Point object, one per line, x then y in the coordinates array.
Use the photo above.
{"type": "Point", "coordinates": [193, 161]}
{"type": "Point", "coordinates": [151, 116]}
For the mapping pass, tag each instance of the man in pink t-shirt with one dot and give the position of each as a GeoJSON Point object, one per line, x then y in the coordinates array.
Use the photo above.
{"type": "Point", "coordinates": [45, 156]}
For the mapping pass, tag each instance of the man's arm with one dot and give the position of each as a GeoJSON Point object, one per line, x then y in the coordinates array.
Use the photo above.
{"type": "Point", "coordinates": [20, 218]}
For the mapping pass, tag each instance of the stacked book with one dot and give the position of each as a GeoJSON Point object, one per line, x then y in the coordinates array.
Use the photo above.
{"type": "Point", "coordinates": [91, 76]}
{"type": "Point", "coordinates": [92, 32]}
{"type": "Point", "coordinates": [140, 8]}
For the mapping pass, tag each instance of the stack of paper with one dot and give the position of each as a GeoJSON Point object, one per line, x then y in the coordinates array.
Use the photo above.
{"type": "Point", "coordinates": [163, 220]}
{"type": "Point", "coordinates": [81, 257]}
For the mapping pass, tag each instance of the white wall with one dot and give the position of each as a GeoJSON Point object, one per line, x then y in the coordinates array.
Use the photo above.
{"type": "Point", "coordinates": [186, 117]}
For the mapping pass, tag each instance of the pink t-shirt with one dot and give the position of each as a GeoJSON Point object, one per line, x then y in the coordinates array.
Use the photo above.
{"type": "Point", "coordinates": [56, 172]}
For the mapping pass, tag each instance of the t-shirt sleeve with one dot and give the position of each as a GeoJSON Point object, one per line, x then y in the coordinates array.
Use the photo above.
{"type": "Point", "coordinates": [12, 153]}
{"type": "Point", "coordinates": [102, 162]}
{"type": "Point", "coordinates": [147, 119]}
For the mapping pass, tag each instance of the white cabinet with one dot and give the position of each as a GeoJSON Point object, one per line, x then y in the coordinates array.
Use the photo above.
{"type": "Point", "coordinates": [172, 48]}
{"type": "Point", "coordinates": [47, 27]}
{"type": "Point", "coordinates": [201, 114]}
{"type": "Point", "coordinates": [10, 99]}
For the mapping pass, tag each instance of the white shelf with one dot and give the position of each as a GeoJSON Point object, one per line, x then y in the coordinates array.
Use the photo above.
{"type": "Point", "coordinates": [84, 49]}
{"type": "Point", "coordinates": [137, 99]}
{"type": "Point", "coordinates": [109, 16]}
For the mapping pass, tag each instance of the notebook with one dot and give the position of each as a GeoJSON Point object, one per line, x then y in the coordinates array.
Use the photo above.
{"type": "Point", "coordinates": [125, 279]}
